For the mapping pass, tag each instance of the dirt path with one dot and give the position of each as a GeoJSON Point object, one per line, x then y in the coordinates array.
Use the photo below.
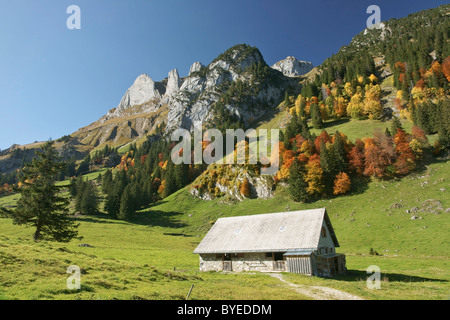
{"type": "Point", "coordinates": [316, 292]}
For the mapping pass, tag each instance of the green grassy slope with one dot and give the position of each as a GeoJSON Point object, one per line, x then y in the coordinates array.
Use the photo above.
{"type": "Point", "coordinates": [151, 257]}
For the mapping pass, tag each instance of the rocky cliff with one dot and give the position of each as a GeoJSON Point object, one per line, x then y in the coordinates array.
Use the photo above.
{"type": "Point", "coordinates": [179, 102]}
{"type": "Point", "coordinates": [291, 67]}
{"type": "Point", "coordinates": [238, 83]}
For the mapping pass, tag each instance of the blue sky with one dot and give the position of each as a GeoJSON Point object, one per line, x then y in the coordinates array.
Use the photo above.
{"type": "Point", "coordinates": [54, 81]}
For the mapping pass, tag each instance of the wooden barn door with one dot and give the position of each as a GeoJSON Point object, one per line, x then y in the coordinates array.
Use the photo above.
{"type": "Point", "coordinates": [279, 263]}
{"type": "Point", "coordinates": [227, 265]}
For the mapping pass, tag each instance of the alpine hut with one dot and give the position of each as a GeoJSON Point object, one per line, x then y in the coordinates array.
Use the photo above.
{"type": "Point", "coordinates": [298, 242]}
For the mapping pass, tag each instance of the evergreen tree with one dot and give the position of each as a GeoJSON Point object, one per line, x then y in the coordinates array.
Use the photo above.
{"type": "Point", "coordinates": [107, 181]}
{"type": "Point", "coordinates": [339, 153]}
{"type": "Point", "coordinates": [127, 207]}
{"type": "Point", "coordinates": [396, 124]}
{"type": "Point", "coordinates": [287, 101]}
{"type": "Point", "coordinates": [170, 184]}
{"type": "Point", "coordinates": [181, 175]}
{"type": "Point", "coordinates": [89, 199]}
{"type": "Point", "coordinates": [316, 117]}
{"type": "Point", "coordinates": [297, 185]}
{"type": "Point", "coordinates": [80, 186]}
{"type": "Point", "coordinates": [328, 165]}
{"type": "Point", "coordinates": [41, 204]}
{"type": "Point", "coordinates": [113, 199]}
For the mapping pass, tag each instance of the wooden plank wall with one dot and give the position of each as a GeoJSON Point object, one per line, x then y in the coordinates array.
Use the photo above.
{"type": "Point", "coordinates": [299, 264]}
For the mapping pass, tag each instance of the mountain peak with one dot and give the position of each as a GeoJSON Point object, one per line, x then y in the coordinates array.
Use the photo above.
{"type": "Point", "coordinates": [243, 55]}
{"type": "Point", "coordinates": [142, 91]}
{"type": "Point", "coordinates": [292, 67]}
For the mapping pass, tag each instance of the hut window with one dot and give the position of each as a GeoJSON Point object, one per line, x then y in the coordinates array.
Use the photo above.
{"type": "Point", "coordinates": [269, 254]}
{"type": "Point", "coordinates": [324, 232]}
{"type": "Point", "coordinates": [219, 256]}
{"type": "Point", "coordinates": [239, 255]}
{"type": "Point", "coordinates": [278, 256]}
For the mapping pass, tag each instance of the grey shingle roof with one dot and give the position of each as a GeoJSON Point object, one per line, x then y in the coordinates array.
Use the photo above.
{"type": "Point", "coordinates": [284, 231]}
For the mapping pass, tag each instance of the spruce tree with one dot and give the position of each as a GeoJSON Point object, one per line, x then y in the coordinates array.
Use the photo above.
{"type": "Point", "coordinates": [339, 153]}
{"type": "Point", "coordinates": [89, 201]}
{"type": "Point", "coordinates": [112, 203]}
{"type": "Point", "coordinates": [41, 204]}
{"type": "Point", "coordinates": [328, 165]}
{"type": "Point", "coordinates": [127, 207]}
{"type": "Point", "coordinates": [181, 175]}
{"type": "Point", "coordinates": [80, 186]}
{"type": "Point", "coordinates": [316, 117]}
{"type": "Point", "coordinates": [396, 124]}
{"type": "Point", "coordinates": [107, 181]}
{"type": "Point", "coordinates": [297, 184]}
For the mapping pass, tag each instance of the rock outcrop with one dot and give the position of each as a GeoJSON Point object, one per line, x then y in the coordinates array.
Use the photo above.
{"type": "Point", "coordinates": [173, 83]}
{"type": "Point", "coordinates": [196, 66]}
{"type": "Point", "coordinates": [238, 83]}
{"type": "Point", "coordinates": [200, 91]}
{"type": "Point", "coordinates": [141, 92]}
{"type": "Point", "coordinates": [291, 67]}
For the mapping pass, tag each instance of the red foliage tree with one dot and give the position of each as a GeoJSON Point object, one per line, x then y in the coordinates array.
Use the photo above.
{"type": "Point", "coordinates": [405, 162]}
{"type": "Point", "coordinates": [356, 155]}
{"type": "Point", "coordinates": [446, 68]}
{"type": "Point", "coordinates": [374, 164]}
{"type": "Point", "coordinates": [324, 137]}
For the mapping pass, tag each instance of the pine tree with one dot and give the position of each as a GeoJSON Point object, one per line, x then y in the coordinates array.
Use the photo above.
{"type": "Point", "coordinates": [80, 186]}
{"type": "Point", "coordinates": [181, 175]}
{"type": "Point", "coordinates": [316, 117]}
{"type": "Point", "coordinates": [287, 101]}
{"type": "Point", "coordinates": [396, 124]}
{"type": "Point", "coordinates": [127, 207]}
{"type": "Point", "coordinates": [112, 203]}
{"type": "Point", "coordinates": [297, 184]}
{"type": "Point", "coordinates": [170, 182]}
{"type": "Point", "coordinates": [41, 204]}
{"type": "Point", "coordinates": [339, 153]}
{"type": "Point", "coordinates": [328, 165]}
{"type": "Point", "coordinates": [89, 199]}
{"type": "Point", "coordinates": [107, 181]}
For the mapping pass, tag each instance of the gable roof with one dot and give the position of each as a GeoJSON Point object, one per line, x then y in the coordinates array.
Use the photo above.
{"type": "Point", "coordinates": [273, 232]}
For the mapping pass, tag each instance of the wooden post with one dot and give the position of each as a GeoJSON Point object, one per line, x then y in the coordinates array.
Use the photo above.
{"type": "Point", "coordinates": [192, 287]}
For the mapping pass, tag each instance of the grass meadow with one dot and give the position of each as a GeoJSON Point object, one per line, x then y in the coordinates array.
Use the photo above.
{"type": "Point", "coordinates": [151, 256]}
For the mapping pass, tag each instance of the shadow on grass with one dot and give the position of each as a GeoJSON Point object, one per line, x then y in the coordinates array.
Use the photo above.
{"type": "Point", "coordinates": [149, 217]}
{"type": "Point", "coordinates": [332, 123]}
{"type": "Point", "coordinates": [156, 218]}
{"type": "Point", "coordinates": [358, 275]}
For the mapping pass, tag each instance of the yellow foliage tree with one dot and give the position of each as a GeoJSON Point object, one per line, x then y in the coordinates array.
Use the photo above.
{"type": "Point", "coordinates": [355, 106]}
{"type": "Point", "coordinates": [342, 184]}
{"type": "Point", "coordinates": [314, 178]}
{"type": "Point", "coordinates": [372, 102]}
{"type": "Point", "coordinates": [373, 78]}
